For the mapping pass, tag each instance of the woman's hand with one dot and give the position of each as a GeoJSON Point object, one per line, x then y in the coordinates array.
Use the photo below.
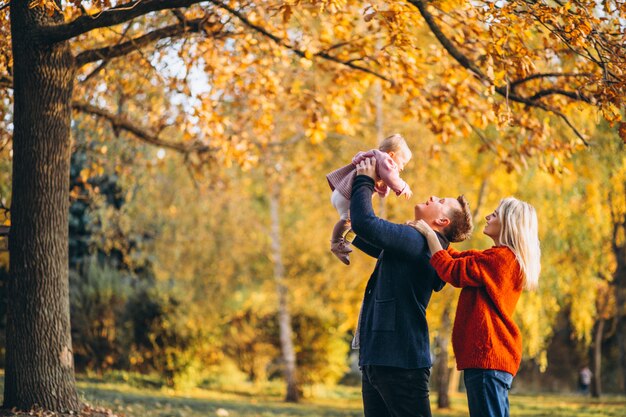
{"type": "Point", "coordinates": [422, 227]}
{"type": "Point", "coordinates": [367, 167]}
{"type": "Point", "coordinates": [431, 236]}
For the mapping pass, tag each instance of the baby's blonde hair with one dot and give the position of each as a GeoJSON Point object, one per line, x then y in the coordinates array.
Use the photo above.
{"type": "Point", "coordinates": [393, 143]}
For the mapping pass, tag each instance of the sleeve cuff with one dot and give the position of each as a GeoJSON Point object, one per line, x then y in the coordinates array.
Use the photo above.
{"type": "Point", "coordinates": [439, 257]}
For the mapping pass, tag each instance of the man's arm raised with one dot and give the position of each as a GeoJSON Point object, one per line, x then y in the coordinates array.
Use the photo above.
{"type": "Point", "coordinates": [378, 232]}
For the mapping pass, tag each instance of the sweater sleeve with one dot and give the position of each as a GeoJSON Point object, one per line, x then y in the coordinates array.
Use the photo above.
{"type": "Point", "coordinates": [462, 254]}
{"type": "Point", "coordinates": [397, 238]}
{"type": "Point", "coordinates": [474, 270]}
{"type": "Point", "coordinates": [360, 156]}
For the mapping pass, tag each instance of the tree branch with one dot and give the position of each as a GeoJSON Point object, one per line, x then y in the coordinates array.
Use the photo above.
{"type": "Point", "coordinates": [567, 122]}
{"type": "Point", "coordinates": [446, 43]}
{"type": "Point", "coordinates": [110, 17]}
{"type": "Point", "coordinates": [483, 138]}
{"type": "Point", "coordinates": [482, 193]}
{"type": "Point", "coordinates": [113, 51]}
{"type": "Point", "coordinates": [6, 81]}
{"type": "Point", "coordinates": [298, 52]}
{"type": "Point", "coordinates": [105, 62]}
{"type": "Point", "coordinates": [133, 9]}
{"type": "Point", "coordinates": [121, 123]}
{"type": "Point", "coordinates": [99, 68]}
{"type": "Point", "coordinates": [505, 91]}
{"type": "Point", "coordinates": [574, 95]}
{"type": "Point", "coordinates": [514, 84]}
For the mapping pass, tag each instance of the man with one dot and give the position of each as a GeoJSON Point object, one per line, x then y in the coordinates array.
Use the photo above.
{"type": "Point", "coordinates": [392, 334]}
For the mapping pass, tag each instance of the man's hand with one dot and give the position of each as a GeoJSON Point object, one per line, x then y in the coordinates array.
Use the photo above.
{"type": "Point", "coordinates": [421, 227]}
{"type": "Point", "coordinates": [367, 167]}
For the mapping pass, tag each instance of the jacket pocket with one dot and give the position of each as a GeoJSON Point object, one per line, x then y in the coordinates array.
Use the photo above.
{"type": "Point", "coordinates": [384, 315]}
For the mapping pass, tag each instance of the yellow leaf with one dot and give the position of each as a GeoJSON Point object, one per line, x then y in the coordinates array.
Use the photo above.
{"type": "Point", "coordinates": [611, 113]}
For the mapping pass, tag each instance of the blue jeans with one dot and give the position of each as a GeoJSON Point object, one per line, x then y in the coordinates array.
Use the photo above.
{"type": "Point", "coordinates": [395, 392]}
{"type": "Point", "coordinates": [487, 392]}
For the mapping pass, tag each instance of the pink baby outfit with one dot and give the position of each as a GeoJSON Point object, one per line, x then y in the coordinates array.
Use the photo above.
{"type": "Point", "coordinates": [386, 168]}
{"type": "Point", "coordinates": [340, 182]}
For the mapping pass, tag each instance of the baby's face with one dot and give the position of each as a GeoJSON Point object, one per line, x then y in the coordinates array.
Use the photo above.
{"type": "Point", "coordinates": [401, 158]}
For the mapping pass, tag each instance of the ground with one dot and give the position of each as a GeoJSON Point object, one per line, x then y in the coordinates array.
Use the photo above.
{"type": "Point", "coordinates": [328, 402]}
{"type": "Point", "coordinates": [126, 399]}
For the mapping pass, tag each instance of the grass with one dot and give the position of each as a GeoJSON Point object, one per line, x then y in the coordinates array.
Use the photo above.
{"type": "Point", "coordinates": [250, 401]}
{"type": "Point", "coordinates": [131, 398]}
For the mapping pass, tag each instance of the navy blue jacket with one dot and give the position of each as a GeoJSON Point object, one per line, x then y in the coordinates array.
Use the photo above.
{"type": "Point", "coordinates": [393, 329]}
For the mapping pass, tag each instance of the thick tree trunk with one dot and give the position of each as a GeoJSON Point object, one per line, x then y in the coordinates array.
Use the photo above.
{"type": "Point", "coordinates": [39, 361]}
{"type": "Point", "coordinates": [596, 359]}
{"type": "Point", "coordinates": [284, 317]}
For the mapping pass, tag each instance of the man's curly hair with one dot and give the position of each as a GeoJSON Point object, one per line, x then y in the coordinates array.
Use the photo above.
{"type": "Point", "coordinates": [461, 226]}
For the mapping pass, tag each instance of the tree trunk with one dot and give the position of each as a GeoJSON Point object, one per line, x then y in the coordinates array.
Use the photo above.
{"type": "Point", "coordinates": [596, 360]}
{"type": "Point", "coordinates": [39, 360]}
{"type": "Point", "coordinates": [284, 317]}
{"type": "Point", "coordinates": [619, 282]}
{"type": "Point", "coordinates": [443, 371]}
{"type": "Point", "coordinates": [619, 302]}
{"type": "Point", "coordinates": [455, 377]}
{"type": "Point", "coordinates": [380, 135]}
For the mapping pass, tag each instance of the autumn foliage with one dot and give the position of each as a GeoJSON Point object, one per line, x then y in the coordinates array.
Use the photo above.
{"type": "Point", "coordinates": [212, 114]}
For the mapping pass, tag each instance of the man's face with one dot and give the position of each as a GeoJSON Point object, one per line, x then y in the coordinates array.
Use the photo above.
{"type": "Point", "coordinates": [435, 211]}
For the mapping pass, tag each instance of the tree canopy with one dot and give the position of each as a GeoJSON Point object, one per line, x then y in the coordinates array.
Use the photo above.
{"type": "Point", "coordinates": [534, 69]}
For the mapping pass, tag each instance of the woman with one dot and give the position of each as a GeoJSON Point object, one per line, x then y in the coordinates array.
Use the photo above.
{"type": "Point", "coordinates": [487, 343]}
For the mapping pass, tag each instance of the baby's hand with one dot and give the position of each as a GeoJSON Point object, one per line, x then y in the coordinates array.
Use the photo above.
{"type": "Point", "coordinates": [408, 194]}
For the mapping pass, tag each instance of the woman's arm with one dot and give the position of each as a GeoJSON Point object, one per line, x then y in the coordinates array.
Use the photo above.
{"type": "Point", "coordinates": [460, 269]}
{"type": "Point", "coordinates": [468, 271]}
{"type": "Point", "coordinates": [458, 254]}
{"type": "Point", "coordinates": [423, 227]}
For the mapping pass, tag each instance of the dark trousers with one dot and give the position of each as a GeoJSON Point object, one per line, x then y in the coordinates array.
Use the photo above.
{"type": "Point", "coordinates": [395, 392]}
{"type": "Point", "coordinates": [487, 392]}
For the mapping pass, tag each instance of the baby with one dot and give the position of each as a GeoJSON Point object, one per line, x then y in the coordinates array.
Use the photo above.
{"type": "Point", "coordinates": [391, 157]}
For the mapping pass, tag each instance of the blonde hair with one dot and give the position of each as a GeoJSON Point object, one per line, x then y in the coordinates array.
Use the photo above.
{"type": "Point", "coordinates": [394, 143]}
{"type": "Point", "coordinates": [519, 232]}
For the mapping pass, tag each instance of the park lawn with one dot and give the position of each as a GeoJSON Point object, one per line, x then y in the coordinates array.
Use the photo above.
{"type": "Point", "coordinates": [130, 401]}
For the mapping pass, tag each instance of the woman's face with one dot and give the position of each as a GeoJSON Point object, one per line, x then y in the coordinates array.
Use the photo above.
{"type": "Point", "coordinates": [493, 226]}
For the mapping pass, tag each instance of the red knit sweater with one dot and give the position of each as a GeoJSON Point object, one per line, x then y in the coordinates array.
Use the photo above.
{"type": "Point", "coordinates": [484, 334]}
